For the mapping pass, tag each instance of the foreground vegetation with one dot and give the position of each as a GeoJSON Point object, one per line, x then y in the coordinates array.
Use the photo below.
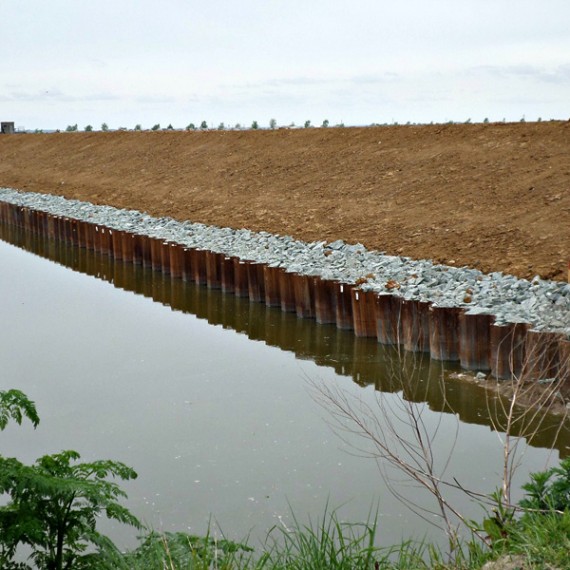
{"type": "Point", "coordinates": [54, 505]}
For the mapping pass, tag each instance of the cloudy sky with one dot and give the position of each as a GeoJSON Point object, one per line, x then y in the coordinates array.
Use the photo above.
{"type": "Point", "coordinates": [125, 62]}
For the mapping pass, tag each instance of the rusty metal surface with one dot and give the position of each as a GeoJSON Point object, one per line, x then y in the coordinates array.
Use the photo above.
{"type": "Point", "coordinates": [256, 284]}
{"type": "Point", "coordinates": [475, 341]}
{"type": "Point", "coordinates": [325, 301]}
{"type": "Point", "coordinates": [304, 289]}
{"type": "Point", "coordinates": [199, 266]}
{"type": "Point", "coordinates": [343, 305]}
{"type": "Point", "coordinates": [146, 251]}
{"type": "Point", "coordinates": [176, 260]}
{"type": "Point", "coordinates": [363, 312]}
{"type": "Point", "coordinates": [227, 274]}
{"type": "Point", "coordinates": [542, 355]}
{"type": "Point", "coordinates": [187, 265]}
{"type": "Point", "coordinates": [165, 257]}
{"type": "Point", "coordinates": [444, 333]}
{"type": "Point", "coordinates": [271, 284]}
{"type": "Point", "coordinates": [213, 270]}
{"type": "Point", "coordinates": [564, 363]}
{"type": "Point", "coordinates": [287, 292]}
{"type": "Point", "coordinates": [388, 312]}
{"type": "Point", "coordinates": [241, 281]}
{"type": "Point", "coordinates": [415, 325]}
{"type": "Point", "coordinates": [508, 350]}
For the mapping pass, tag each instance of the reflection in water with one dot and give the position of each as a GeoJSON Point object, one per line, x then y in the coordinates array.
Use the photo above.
{"type": "Point", "coordinates": [363, 359]}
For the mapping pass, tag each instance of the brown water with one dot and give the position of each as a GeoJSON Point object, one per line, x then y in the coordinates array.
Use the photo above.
{"type": "Point", "coordinates": [210, 398]}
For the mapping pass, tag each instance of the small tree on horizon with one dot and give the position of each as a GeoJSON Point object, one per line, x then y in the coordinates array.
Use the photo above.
{"type": "Point", "coordinates": [272, 124]}
{"type": "Point", "coordinates": [88, 128]}
{"type": "Point", "coordinates": [138, 127]}
{"type": "Point", "coordinates": [254, 125]}
{"type": "Point", "coordinates": [307, 124]}
{"type": "Point", "coordinates": [203, 125]}
{"type": "Point", "coordinates": [104, 127]}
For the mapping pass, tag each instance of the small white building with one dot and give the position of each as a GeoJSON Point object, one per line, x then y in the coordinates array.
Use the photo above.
{"type": "Point", "coordinates": [7, 128]}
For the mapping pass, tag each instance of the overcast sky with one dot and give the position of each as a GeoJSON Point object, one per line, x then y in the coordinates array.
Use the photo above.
{"type": "Point", "coordinates": [234, 61]}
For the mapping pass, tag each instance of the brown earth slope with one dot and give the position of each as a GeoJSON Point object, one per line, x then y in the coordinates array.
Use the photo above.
{"type": "Point", "coordinates": [495, 196]}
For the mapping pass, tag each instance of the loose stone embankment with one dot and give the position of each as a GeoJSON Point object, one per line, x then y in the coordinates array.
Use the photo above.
{"type": "Point", "coordinates": [490, 322]}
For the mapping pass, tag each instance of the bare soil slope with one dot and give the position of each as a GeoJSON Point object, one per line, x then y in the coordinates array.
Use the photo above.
{"type": "Point", "coordinates": [495, 197]}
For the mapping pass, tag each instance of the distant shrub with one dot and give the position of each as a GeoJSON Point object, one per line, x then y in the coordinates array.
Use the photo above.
{"type": "Point", "coordinates": [307, 124]}
{"type": "Point", "coordinates": [191, 127]}
{"type": "Point", "coordinates": [156, 127]}
{"type": "Point", "coordinates": [104, 127]}
{"type": "Point", "coordinates": [325, 123]}
{"type": "Point", "coordinates": [203, 125]}
{"type": "Point", "coordinates": [71, 128]}
{"type": "Point", "coordinates": [272, 123]}
{"type": "Point", "coordinates": [88, 128]}
{"type": "Point", "coordinates": [138, 127]}
{"type": "Point", "coordinates": [221, 127]}
{"type": "Point", "coordinates": [254, 125]}
{"type": "Point", "coordinates": [170, 127]}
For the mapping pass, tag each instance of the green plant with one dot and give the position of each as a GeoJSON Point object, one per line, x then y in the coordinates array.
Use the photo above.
{"type": "Point", "coordinates": [221, 127]}
{"type": "Point", "coordinates": [71, 128]}
{"type": "Point", "coordinates": [88, 128]}
{"type": "Point", "coordinates": [181, 550]}
{"type": "Point", "coordinates": [272, 124]}
{"type": "Point", "coordinates": [54, 504]}
{"type": "Point", "coordinates": [328, 544]}
{"type": "Point", "coordinates": [325, 123]}
{"type": "Point", "coordinates": [104, 127]}
{"type": "Point", "coordinates": [15, 405]}
{"type": "Point", "coordinates": [539, 537]}
{"type": "Point", "coordinates": [204, 125]}
{"type": "Point", "coordinates": [170, 127]}
{"type": "Point", "coordinates": [156, 127]}
{"type": "Point", "coordinates": [549, 490]}
{"type": "Point", "coordinates": [307, 124]}
{"type": "Point", "coordinates": [254, 125]}
{"type": "Point", "coordinates": [138, 127]}
{"type": "Point", "coordinates": [191, 127]}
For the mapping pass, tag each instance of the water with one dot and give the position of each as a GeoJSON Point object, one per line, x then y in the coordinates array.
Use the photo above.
{"type": "Point", "coordinates": [212, 399]}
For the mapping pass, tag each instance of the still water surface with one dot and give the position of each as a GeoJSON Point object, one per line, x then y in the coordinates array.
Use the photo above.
{"type": "Point", "coordinates": [211, 398]}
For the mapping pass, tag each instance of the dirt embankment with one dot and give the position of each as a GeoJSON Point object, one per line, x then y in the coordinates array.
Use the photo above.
{"type": "Point", "coordinates": [495, 197]}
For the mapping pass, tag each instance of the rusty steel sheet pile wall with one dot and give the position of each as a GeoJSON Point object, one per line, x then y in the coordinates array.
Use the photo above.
{"type": "Point", "coordinates": [447, 333]}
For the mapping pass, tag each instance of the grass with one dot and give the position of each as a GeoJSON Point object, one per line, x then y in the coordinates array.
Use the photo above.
{"type": "Point", "coordinates": [536, 540]}
{"type": "Point", "coordinates": [330, 544]}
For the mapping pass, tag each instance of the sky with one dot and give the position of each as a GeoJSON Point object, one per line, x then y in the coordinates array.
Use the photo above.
{"type": "Point", "coordinates": [357, 62]}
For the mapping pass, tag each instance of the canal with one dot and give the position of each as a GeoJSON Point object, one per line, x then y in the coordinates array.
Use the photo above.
{"type": "Point", "coordinates": [215, 400]}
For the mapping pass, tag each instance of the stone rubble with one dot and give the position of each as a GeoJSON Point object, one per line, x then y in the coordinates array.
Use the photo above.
{"type": "Point", "coordinates": [545, 305]}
